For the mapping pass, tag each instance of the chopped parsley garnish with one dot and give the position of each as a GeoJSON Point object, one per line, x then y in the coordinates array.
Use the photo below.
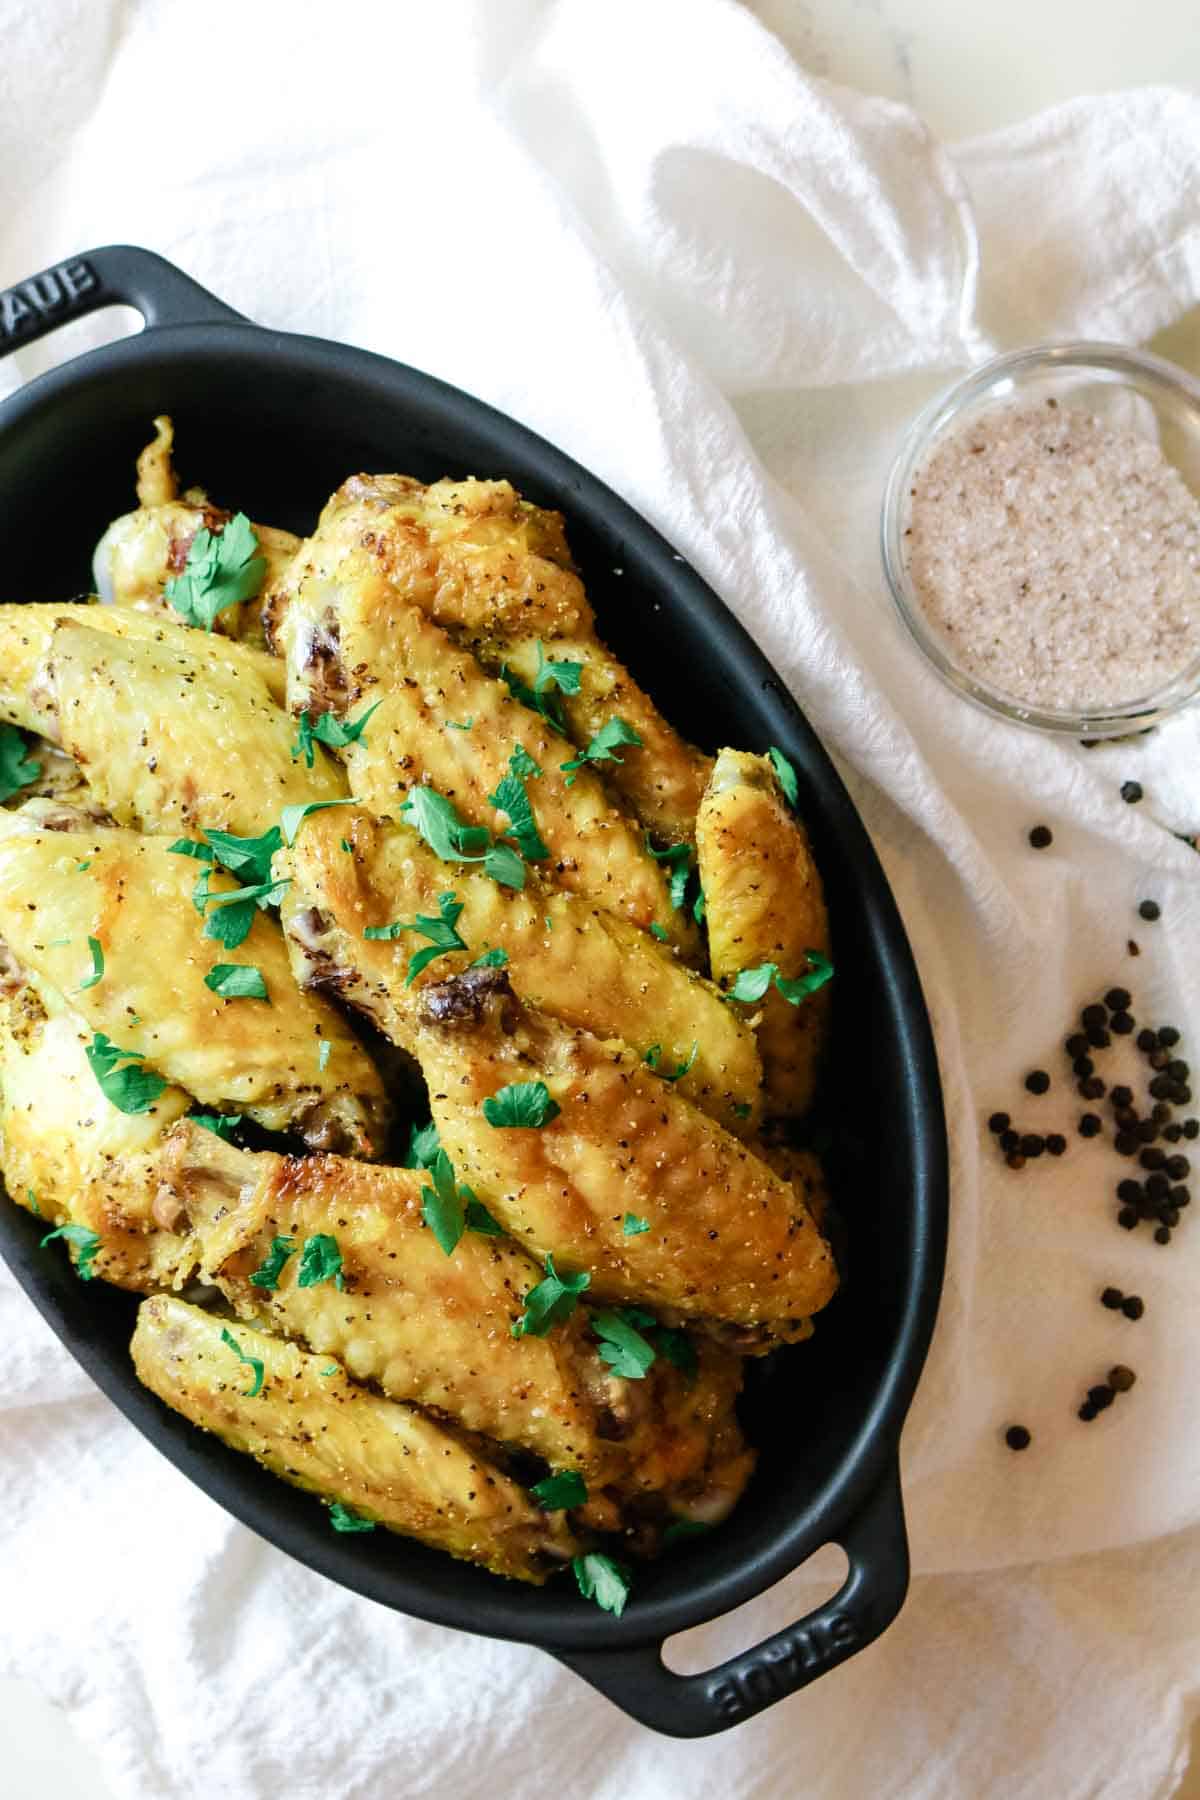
{"type": "Point", "coordinates": [785, 774]}
{"type": "Point", "coordinates": [292, 817]}
{"type": "Point", "coordinates": [680, 1529]}
{"type": "Point", "coordinates": [602, 1580]}
{"type": "Point", "coordinates": [325, 729]}
{"type": "Point", "coordinates": [657, 931]}
{"type": "Point", "coordinates": [491, 959]}
{"type": "Point", "coordinates": [86, 1243]}
{"type": "Point", "coordinates": [423, 1146]}
{"type": "Point", "coordinates": [333, 1369]}
{"type": "Point", "coordinates": [247, 857]}
{"type": "Point", "coordinates": [521, 763]}
{"type": "Point", "coordinates": [699, 906]}
{"type": "Point", "coordinates": [347, 847]}
{"type": "Point", "coordinates": [191, 847]}
{"type": "Point", "coordinates": [550, 1302]}
{"type": "Point", "coordinates": [437, 820]}
{"type": "Point", "coordinates": [444, 1205]}
{"type": "Point", "coordinates": [742, 1109]}
{"type": "Point", "coordinates": [677, 860]}
{"type": "Point", "coordinates": [222, 569]}
{"type": "Point", "coordinates": [323, 1049]}
{"type": "Point", "coordinates": [440, 931]}
{"type": "Point", "coordinates": [237, 981]}
{"type": "Point", "coordinates": [129, 1089]}
{"type": "Point", "coordinates": [603, 747]}
{"type": "Point", "coordinates": [82, 867]}
{"type": "Point", "coordinates": [232, 915]}
{"type": "Point", "coordinates": [623, 1348]}
{"type": "Point", "coordinates": [343, 1518]}
{"type": "Point", "coordinates": [522, 1105]}
{"type": "Point", "coordinates": [16, 770]}
{"type": "Point", "coordinates": [540, 698]}
{"type": "Point", "coordinates": [480, 1219]}
{"type": "Point", "coordinates": [459, 724]}
{"type": "Point", "coordinates": [678, 1348]}
{"type": "Point", "coordinates": [511, 797]}
{"type": "Point", "coordinates": [253, 1363]}
{"type": "Point", "coordinates": [752, 984]}
{"type": "Point", "coordinates": [320, 1260]}
{"type": "Point", "coordinates": [222, 1125]}
{"type": "Point", "coordinates": [31, 1202]}
{"type": "Point", "coordinates": [559, 1492]}
{"type": "Point", "coordinates": [267, 1274]}
{"type": "Point", "coordinates": [89, 981]}
{"type": "Point", "coordinates": [632, 1226]}
{"type": "Point", "coordinates": [653, 1058]}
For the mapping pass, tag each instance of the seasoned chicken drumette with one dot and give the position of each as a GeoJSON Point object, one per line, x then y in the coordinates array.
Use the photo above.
{"type": "Point", "coordinates": [495, 572]}
{"type": "Point", "coordinates": [387, 1462]}
{"type": "Point", "coordinates": [352, 873]}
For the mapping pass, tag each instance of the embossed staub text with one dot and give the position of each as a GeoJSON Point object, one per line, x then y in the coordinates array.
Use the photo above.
{"type": "Point", "coordinates": [781, 1666]}
{"type": "Point", "coordinates": [55, 291]}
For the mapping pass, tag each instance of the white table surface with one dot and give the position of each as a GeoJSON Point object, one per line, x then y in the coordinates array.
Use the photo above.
{"type": "Point", "coordinates": [966, 69]}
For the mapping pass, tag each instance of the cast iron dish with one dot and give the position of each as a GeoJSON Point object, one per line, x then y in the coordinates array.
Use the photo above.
{"type": "Point", "coordinates": [276, 420]}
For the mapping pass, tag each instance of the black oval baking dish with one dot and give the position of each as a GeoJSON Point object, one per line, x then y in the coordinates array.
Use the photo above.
{"type": "Point", "coordinates": [274, 422]}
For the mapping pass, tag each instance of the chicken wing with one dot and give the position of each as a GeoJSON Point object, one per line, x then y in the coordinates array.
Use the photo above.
{"type": "Point", "coordinates": [495, 572]}
{"type": "Point", "coordinates": [351, 872]}
{"type": "Point", "coordinates": [440, 721]}
{"type": "Point", "coordinates": [435, 1329]}
{"type": "Point", "coordinates": [288, 1062]}
{"type": "Point", "coordinates": [765, 904]}
{"type": "Point", "coordinates": [68, 1154]}
{"type": "Point", "coordinates": [729, 1243]}
{"type": "Point", "coordinates": [303, 1420]}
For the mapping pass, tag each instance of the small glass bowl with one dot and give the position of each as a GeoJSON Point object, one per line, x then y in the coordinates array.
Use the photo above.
{"type": "Point", "coordinates": [1132, 388]}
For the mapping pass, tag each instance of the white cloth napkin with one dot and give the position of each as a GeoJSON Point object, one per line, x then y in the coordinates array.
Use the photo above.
{"type": "Point", "coordinates": [725, 287]}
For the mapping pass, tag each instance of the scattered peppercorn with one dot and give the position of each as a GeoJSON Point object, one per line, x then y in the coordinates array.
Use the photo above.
{"type": "Point", "coordinates": [1177, 1167]}
{"type": "Point", "coordinates": [1041, 837]}
{"type": "Point", "coordinates": [1093, 1015]}
{"type": "Point", "coordinates": [1009, 1140]}
{"type": "Point", "coordinates": [1015, 1160]}
{"type": "Point", "coordinates": [1125, 1143]}
{"type": "Point", "coordinates": [1172, 1133]}
{"type": "Point", "coordinates": [999, 1122]}
{"type": "Point", "coordinates": [1056, 1144]}
{"type": "Point", "coordinates": [1157, 1185]}
{"type": "Point", "coordinates": [1121, 1379]}
{"type": "Point", "coordinates": [1131, 792]}
{"type": "Point", "coordinates": [1167, 1036]}
{"type": "Point", "coordinates": [1163, 1235]}
{"type": "Point", "coordinates": [1122, 1023]}
{"type": "Point", "coordinates": [1191, 1128]}
{"type": "Point", "coordinates": [1152, 1158]}
{"type": "Point", "coordinates": [1127, 1217]}
{"type": "Point", "coordinates": [1017, 1437]}
{"type": "Point", "coordinates": [1121, 1096]}
{"type": "Point", "coordinates": [1090, 1126]}
{"type": "Point", "coordinates": [1087, 1412]}
{"type": "Point", "coordinates": [1158, 1059]}
{"type": "Point", "coordinates": [1100, 1396]}
{"type": "Point", "coordinates": [1133, 1306]}
{"type": "Point", "coordinates": [1092, 1089]}
{"type": "Point", "coordinates": [1150, 910]}
{"type": "Point", "coordinates": [1132, 947]}
{"type": "Point", "coordinates": [1117, 999]}
{"type": "Point", "coordinates": [1037, 1081]}
{"type": "Point", "coordinates": [1083, 1066]}
{"type": "Point", "coordinates": [1176, 1069]}
{"type": "Point", "coordinates": [1077, 1044]}
{"type": "Point", "coordinates": [1032, 1144]}
{"type": "Point", "coordinates": [1129, 1191]}
{"type": "Point", "coordinates": [1112, 1298]}
{"type": "Point", "coordinates": [1147, 1040]}
{"type": "Point", "coordinates": [1146, 1130]}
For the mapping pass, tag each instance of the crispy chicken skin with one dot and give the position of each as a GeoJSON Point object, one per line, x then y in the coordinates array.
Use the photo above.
{"type": "Point", "coordinates": [350, 646]}
{"type": "Point", "coordinates": [435, 1329]}
{"type": "Point", "coordinates": [386, 1461]}
{"type": "Point", "coordinates": [765, 903]}
{"type": "Point", "coordinates": [496, 573]}
{"type": "Point", "coordinates": [135, 898]}
{"type": "Point", "coordinates": [66, 1151]}
{"type": "Point", "coordinates": [730, 1244]}
{"type": "Point", "coordinates": [565, 956]}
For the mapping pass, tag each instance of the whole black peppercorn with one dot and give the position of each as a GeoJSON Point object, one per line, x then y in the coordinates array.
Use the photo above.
{"type": "Point", "coordinates": [1131, 945]}
{"type": "Point", "coordinates": [1015, 1160]}
{"type": "Point", "coordinates": [1117, 999]}
{"type": "Point", "coordinates": [1133, 1306]}
{"type": "Point", "coordinates": [1083, 1066]}
{"type": "Point", "coordinates": [1160, 1112]}
{"type": "Point", "coordinates": [1121, 1096]}
{"type": "Point", "coordinates": [999, 1122]}
{"type": "Point", "coordinates": [1125, 1143]}
{"type": "Point", "coordinates": [1127, 1217]}
{"type": "Point", "coordinates": [1178, 1070]}
{"type": "Point", "coordinates": [1100, 1396]}
{"type": "Point", "coordinates": [1146, 1131]}
{"type": "Point", "coordinates": [1158, 1059]}
{"type": "Point", "coordinates": [1076, 1044]}
{"type": "Point", "coordinates": [1181, 1094]}
{"type": "Point", "coordinates": [1041, 837]}
{"type": "Point", "coordinates": [1130, 1191]}
{"type": "Point", "coordinates": [1087, 1412]}
{"type": "Point", "coordinates": [1032, 1144]}
{"type": "Point", "coordinates": [1098, 1038]}
{"type": "Point", "coordinates": [1092, 1088]}
{"type": "Point", "coordinates": [1163, 1235]}
{"type": "Point", "coordinates": [1018, 1438]}
{"type": "Point", "coordinates": [1009, 1140]}
{"type": "Point", "coordinates": [1090, 1126]}
{"type": "Point", "coordinates": [1150, 910]}
{"type": "Point", "coordinates": [1168, 1036]}
{"type": "Point", "coordinates": [1037, 1081]}
{"type": "Point", "coordinates": [1161, 1086]}
{"type": "Point", "coordinates": [1131, 792]}
{"type": "Point", "coordinates": [1122, 1023]}
{"type": "Point", "coordinates": [1169, 1216]}
{"type": "Point", "coordinates": [1180, 1196]}
{"type": "Point", "coordinates": [1147, 1041]}
{"type": "Point", "coordinates": [1172, 1133]}
{"type": "Point", "coordinates": [1095, 1014]}
{"type": "Point", "coordinates": [1153, 1158]}
{"type": "Point", "coordinates": [1121, 1379]}
{"type": "Point", "coordinates": [1157, 1185]}
{"type": "Point", "coordinates": [1177, 1167]}
{"type": "Point", "coordinates": [1113, 1298]}
{"type": "Point", "coordinates": [1191, 1128]}
{"type": "Point", "coordinates": [1056, 1143]}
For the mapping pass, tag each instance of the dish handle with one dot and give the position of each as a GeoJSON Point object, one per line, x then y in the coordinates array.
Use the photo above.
{"type": "Point", "coordinates": [117, 275]}
{"type": "Point", "coordinates": [638, 1681]}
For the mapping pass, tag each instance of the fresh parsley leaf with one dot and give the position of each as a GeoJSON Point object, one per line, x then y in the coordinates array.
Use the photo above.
{"type": "Point", "coordinates": [657, 931]}
{"type": "Point", "coordinates": [521, 763]}
{"type": "Point", "coordinates": [504, 867]}
{"type": "Point", "coordinates": [333, 1369]}
{"type": "Point", "coordinates": [680, 1529]}
{"type": "Point", "coordinates": [559, 1492]}
{"type": "Point", "coordinates": [129, 1089]}
{"type": "Point", "coordinates": [491, 959]}
{"type": "Point", "coordinates": [82, 867]}
{"type": "Point", "coordinates": [253, 1363]}
{"type": "Point", "coordinates": [232, 914]}
{"type": "Point", "coordinates": [222, 569]}
{"type": "Point", "coordinates": [550, 1302]}
{"type": "Point", "coordinates": [323, 1049]}
{"type": "Point", "coordinates": [292, 817]}
{"type": "Point", "coordinates": [347, 847]}
{"type": "Point", "coordinates": [343, 1518]}
{"type": "Point", "coordinates": [785, 774]}
{"type": "Point", "coordinates": [459, 725]}
{"type": "Point", "coordinates": [31, 1202]}
{"type": "Point", "coordinates": [742, 1109]}
{"type": "Point", "coordinates": [16, 770]}
{"type": "Point", "coordinates": [386, 933]}
{"type": "Point", "coordinates": [540, 698]}
{"type": "Point", "coordinates": [752, 984]}
{"type": "Point", "coordinates": [266, 1276]}
{"type": "Point", "coordinates": [423, 1146]}
{"type": "Point", "coordinates": [440, 931]}
{"type": "Point", "coordinates": [677, 860]}
{"type": "Point", "coordinates": [624, 1349]}
{"type": "Point", "coordinates": [479, 1218]}
{"type": "Point", "coordinates": [522, 1105]}
{"type": "Point", "coordinates": [325, 729]}
{"type": "Point", "coordinates": [678, 1348]}
{"type": "Point", "coordinates": [222, 1125]}
{"type": "Point", "coordinates": [320, 1260]}
{"type": "Point", "coordinates": [89, 981]}
{"type": "Point", "coordinates": [699, 906]}
{"type": "Point", "coordinates": [247, 857]}
{"type": "Point", "coordinates": [601, 1579]}
{"type": "Point", "coordinates": [190, 847]}
{"type": "Point", "coordinates": [632, 1226]}
{"type": "Point", "coordinates": [443, 1206]}
{"type": "Point", "coordinates": [512, 798]}
{"type": "Point", "coordinates": [437, 820]}
{"type": "Point", "coordinates": [86, 1242]}
{"type": "Point", "coordinates": [603, 747]}
{"type": "Point", "coordinates": [653, 1058]}
{"type": "Point", "coordinates": [237, 981]}
{"type": "Point", "coordinates": [562, 675]}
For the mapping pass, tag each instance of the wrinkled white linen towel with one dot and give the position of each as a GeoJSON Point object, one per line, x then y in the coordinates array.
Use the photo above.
{"type": "Point", "coordinates": [725, 287]}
